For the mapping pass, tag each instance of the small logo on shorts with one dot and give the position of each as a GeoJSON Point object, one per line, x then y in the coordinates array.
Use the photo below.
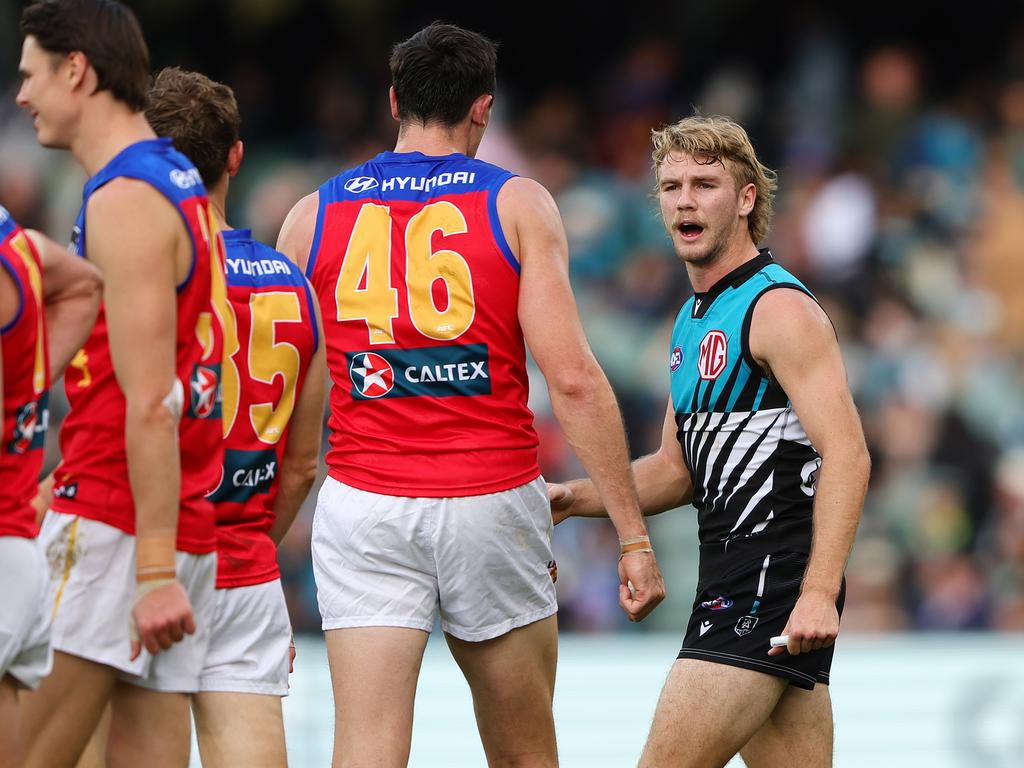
{"type": "Point", "coordinates": [718, 604]}
{"type": "Point", "coordinates": [704, 627]}
{"type": "Point", "coordinates": [553, 570]}
{"type": "Point", "coordinates": [745, 625]}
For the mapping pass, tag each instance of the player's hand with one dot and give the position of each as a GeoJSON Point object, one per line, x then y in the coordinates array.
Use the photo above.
{"type": "Point", "coordinates": [641, 586]}
{"type": "Point", "coordinates": [291, 655]}
{"type": "Point", "coordinates": [162, 616]}
{"type": "Point", "coordinates": [561, 498]}
{"type": "Point", "coordinates": [813, 624]}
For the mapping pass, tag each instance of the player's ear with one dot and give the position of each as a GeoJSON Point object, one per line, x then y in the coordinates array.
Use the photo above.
{"type": "Point", "coordinates": [235, 155]}
{"type": "Point", "coordinates": [394, 104]}
{"type": "Point", "coordinates": [748, 196]}
{"type": "Point", "coordinates": [480, 112]}
{"type": "Point", "coordinates": [76, 68]}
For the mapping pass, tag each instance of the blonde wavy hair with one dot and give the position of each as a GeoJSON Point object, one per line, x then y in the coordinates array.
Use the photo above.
{"type": "Point", "coordinates": [719, 139]}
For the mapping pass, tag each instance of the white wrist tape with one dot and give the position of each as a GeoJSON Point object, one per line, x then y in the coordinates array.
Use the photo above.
{"type": "Point", "coordinates": [175, 400]}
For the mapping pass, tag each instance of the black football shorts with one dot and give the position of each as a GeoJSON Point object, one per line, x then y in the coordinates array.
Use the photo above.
{"type": "Point", "coordinates": [736, 613]}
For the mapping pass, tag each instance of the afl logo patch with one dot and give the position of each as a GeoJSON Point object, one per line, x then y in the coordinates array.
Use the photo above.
{"type": "Point", "coordinates": [675, 359]}
{"type": "Point", "coordinates": [714, 354]}
{"type": "Point", "coordinates": [360, 184]}
{"type": "Point", "coordinates": [372, 375]}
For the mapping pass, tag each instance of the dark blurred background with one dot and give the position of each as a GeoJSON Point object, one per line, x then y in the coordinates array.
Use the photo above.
{"type": "Point", "coordinates": [899, 140]}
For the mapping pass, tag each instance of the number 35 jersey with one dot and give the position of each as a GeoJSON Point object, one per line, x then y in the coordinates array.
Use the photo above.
{"type": "Point", "coordinates": [270, 337]}
{"type": "Point", "coordinates": [419, 296]}
{"type": "Point", "coordinates": [753, 468]}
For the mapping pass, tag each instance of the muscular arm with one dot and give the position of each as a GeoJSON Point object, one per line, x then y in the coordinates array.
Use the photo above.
{"type": "Point", "coordinates": [72, 288]}
{"type": "Point", "coordinates": [581, 396]}
{"type": "Point", "coordinates": [662, 481]}
{"type": "Point", "coordinates": [792, 339]}
{"type": "Point", "coordinates": [138, 241]}
{"type": "Point", "coordinates": [297, 231]}
{"type": "Point", "coordinates": [302, 451]}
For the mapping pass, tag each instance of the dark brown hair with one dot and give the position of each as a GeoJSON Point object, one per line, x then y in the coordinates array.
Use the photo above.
{"type": "Point", "coordinates": [106, 31]}
{"type": "Point", "coordinates": [440, 71]}
{"type": "Point", "coordinates": [199, 114]}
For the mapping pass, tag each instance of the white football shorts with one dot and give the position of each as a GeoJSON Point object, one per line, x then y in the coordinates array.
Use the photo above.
{"type": "Point", "coordinates": [92, 592]}
{"type": "Point", "coordinates": [483, 563]}
{"type": "Point", "coordinates": [24, 616]}
{"type": "Point", "coordinates": [249, 644]}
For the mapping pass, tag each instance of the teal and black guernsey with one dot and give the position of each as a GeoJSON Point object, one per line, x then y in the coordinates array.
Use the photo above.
{"type": "Point", "coordinates": [753, 468]}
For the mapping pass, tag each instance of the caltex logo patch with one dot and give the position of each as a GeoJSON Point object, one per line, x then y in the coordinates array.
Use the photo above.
{"type": "Point", "coordinates": [204, 385]}
{"type": "Point", "coordinates": [372, 376]}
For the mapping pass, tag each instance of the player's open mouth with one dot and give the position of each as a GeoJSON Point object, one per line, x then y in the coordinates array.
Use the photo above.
{"type": "Point", "coordinates": [690, 231]}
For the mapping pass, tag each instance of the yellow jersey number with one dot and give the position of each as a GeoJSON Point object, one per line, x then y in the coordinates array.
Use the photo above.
{"type": "Point", "coordinates": [364, 290]}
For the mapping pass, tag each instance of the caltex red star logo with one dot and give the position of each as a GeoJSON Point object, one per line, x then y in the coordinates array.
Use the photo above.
{"type": "Point", "coordinates": [372, 375]}
{"type": "Point", "coordinates": [204, 391]}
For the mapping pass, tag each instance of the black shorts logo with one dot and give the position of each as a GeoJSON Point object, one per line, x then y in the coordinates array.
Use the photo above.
{"type": "Point", "coordinates": [745, 625]}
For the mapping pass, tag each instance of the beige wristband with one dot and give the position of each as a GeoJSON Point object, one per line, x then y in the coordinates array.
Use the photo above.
{"type": "Point", "coordinates": [155, 556]}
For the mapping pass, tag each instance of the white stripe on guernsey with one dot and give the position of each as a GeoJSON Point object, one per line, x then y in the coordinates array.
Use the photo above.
{"type": "Point", "coordinates": [761, 493]}
{"type": "Point", "coordinates": [755, 429]}
{"type": "Point", "coordinates": [763, 524]}
{"type": "Point", "coordinates": [760, 581]}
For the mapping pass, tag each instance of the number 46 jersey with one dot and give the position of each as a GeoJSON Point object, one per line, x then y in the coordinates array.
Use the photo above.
{"type": "Point", "coordinates": [419, 294]}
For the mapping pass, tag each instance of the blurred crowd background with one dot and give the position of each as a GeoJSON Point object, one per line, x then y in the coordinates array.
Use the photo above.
{"type": "Point", "coordinates": [898, 136]}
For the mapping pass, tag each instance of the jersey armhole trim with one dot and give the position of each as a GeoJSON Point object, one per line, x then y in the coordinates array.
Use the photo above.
{"type": "Point", "coordinates": [495, 220]}
{"type": "Point", "coordinates": [21, 293]}
{"type": "Point", "coordinates": [748, 358]}
{"type": "Point", "coordinates": [318, 231]}
{"type": "Point", "coordinates": [312, 313]}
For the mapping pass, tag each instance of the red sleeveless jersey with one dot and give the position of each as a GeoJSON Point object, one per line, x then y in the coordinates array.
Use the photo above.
{"type": "Point", "coordinates": [92, 480]}
{"type": "Point", "coordinates": [269, 339]}
{"type": "Point", "coordinates": [26, 381]}
{"type": "Point", "coordinates": [419, 294]}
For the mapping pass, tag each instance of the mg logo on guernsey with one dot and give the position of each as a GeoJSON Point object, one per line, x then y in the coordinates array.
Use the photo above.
{"type": "Point", "coordinates": [450, 371]}
{"type": "Point", "coordinates": [360, 184]}
{"type": "Point", "coordinates": [714, 354]}
{"type": "Point", "coordinates": [204, 387]}
{"type": "Point", "coordinates": [372, 376]}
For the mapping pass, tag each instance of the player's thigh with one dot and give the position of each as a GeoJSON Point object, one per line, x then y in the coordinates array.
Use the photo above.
{"type": "Point", "coordinates": [148, 728]}
{"type": "Point", "coordinates": [237, 729]}
{"type": "Point", "coordinates": [512, 678]}
{"type": "Point", "coordinates": [798, 732]}
{"type": "Point", "coordinates": [373, 674]}
{"type": "Point", "coordinates": [10, 747]}
{"type": "Point", "coordinates": [707, 712]}
{"type": "Point", "coordinates": [59, 718]}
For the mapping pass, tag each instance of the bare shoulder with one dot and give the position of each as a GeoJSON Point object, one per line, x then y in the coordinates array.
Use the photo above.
{"type": "Point", "coordinates": [788, 319]}
{"type": "Point", "coordinates": [129, 200]}
{"type": "Point", "coordinates": [521, 194]}
{"type": "Point", "coordinates": [298, 229]}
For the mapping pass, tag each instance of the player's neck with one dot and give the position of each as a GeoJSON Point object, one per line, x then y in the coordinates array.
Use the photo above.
{"type": "Point", "coordinates": [704, 276]}
{"type": "Point", "coordinates": [105, 131]}
{"type": "Point", "coordinates": [218, 197]}
{"type": "Point", "coordinates": [432, 140]}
